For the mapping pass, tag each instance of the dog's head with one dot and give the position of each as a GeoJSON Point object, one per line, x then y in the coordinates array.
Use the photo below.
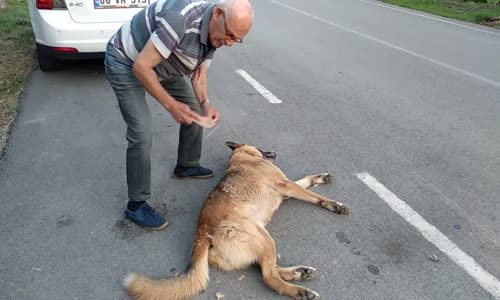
{"type": "Point", "coordinates": [252, 150]}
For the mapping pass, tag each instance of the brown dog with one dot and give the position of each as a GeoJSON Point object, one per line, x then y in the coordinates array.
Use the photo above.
{"type": "Point", "coordinates": [231, 231]}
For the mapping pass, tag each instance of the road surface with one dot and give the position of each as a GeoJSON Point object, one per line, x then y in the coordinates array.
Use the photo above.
{"type": "Point", "coordinates": [367, 90]}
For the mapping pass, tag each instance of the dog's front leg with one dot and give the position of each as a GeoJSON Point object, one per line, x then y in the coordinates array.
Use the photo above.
{"type": "Point", "coordinates": [291, 189]}
{"type": "Point", "coordinates": [314, 180]}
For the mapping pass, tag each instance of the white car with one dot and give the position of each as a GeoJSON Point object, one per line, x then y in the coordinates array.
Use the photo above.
{"type": "Point", "coordinates": [77, 29]}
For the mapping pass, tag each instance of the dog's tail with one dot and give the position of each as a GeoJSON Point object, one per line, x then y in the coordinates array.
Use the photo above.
{"type": "Point", "coordinates": [191, 283]}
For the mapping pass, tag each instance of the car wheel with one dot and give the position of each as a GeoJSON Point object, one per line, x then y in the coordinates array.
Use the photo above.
{"type": "Point", "coordinates": [46, 61]}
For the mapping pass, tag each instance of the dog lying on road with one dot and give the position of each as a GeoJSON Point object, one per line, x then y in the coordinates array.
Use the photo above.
{"type": "Point", "coordinates": [231, 231]}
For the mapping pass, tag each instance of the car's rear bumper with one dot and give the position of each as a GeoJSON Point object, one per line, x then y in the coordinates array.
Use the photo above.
{"type": "Point", "coordinates": [55, 28]}
{"type": "Point", "coordinates": [63, 55]}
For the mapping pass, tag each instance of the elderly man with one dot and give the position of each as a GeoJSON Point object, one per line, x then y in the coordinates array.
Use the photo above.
{"type": "Point", "coordinates": [166, 50]}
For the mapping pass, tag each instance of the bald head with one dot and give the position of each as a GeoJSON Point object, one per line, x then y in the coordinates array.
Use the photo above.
{"type": "Point", "coordinates": [239, 11]}
{"type": "Point", "coordinates": [231, 21]}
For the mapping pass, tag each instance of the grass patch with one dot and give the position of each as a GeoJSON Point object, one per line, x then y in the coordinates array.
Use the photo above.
{"type": "Point", "coordinates": [486, 12]}
{"type": "Point", "coordinates": [16, 55]}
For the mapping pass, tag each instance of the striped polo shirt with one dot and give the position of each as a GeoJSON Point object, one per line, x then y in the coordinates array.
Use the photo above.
{"type": "Point", "coordinates": [178, 29]}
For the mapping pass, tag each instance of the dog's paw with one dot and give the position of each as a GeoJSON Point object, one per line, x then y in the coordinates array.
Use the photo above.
{"type": "Point", "coordinates": [304, 273]}
{"type": "Point", "coordinates": [343, 209]}
{"type": "Point", "coordinates": [307, 294]}
{"type": "Point", "coordinates": [321, 179]}
{"type": "Point", "coordinates": [336, 207]}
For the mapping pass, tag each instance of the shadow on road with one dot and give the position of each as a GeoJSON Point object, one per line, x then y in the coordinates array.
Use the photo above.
{"type": "Point", "coordinates": [92, 65]}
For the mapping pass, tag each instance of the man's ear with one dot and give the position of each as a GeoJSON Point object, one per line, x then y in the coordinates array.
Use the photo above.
{"type": "Point", "coordinates": [232, 145]}
{"type": "Point", "coordinates": [218, 12]}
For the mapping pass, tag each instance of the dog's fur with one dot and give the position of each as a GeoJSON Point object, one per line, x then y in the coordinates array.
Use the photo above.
{"type": "Point", "coordinates": [231, 231]}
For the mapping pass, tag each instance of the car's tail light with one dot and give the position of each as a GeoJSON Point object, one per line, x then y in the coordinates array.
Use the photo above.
{"type": "Point", "coordinates": [50, 4]}
{"type": "Point", "coordinates": [65, 50]}
{"type": "Point", "coordinates": [44, 4]}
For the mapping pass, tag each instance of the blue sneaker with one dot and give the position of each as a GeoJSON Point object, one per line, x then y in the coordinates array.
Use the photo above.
{"type": "Point", "coordinates": [192, 172]}
{"type": "Point", "coordinates": [147, 217]}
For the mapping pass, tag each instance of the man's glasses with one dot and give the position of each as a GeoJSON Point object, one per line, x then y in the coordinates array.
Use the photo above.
{"type": "Point", "coordinates": [229, 34]}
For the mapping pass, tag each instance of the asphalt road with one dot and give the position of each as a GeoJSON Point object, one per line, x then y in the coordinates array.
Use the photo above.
{"type": "Point", "coordinates": [412, 100]}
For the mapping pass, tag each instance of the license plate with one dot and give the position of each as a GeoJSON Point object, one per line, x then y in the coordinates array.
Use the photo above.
{"type": "Point", "coordinates": [102, 4]}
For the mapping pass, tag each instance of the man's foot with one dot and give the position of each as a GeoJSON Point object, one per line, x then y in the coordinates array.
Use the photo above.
{"type": "Point", "coordinates": [147, 217]}
{"type": "Point", "coordinates": [192, 172]}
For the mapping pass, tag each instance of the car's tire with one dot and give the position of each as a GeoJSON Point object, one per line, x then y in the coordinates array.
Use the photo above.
{"type": "Point", "coordinates": [46, 61]}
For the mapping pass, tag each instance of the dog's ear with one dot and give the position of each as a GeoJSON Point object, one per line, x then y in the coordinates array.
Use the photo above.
{"type": "Point", "coordinates": [232, 145]}
{"type": "Point", "coordinates": [268, 155]}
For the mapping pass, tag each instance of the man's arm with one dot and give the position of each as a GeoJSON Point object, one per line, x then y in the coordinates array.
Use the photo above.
{"type": "Point", "coordinates": [200, 83]}
{"type": "Point", "coordinates": [200, 88]}
{"type": "Point", "coordinates": [143, 69]}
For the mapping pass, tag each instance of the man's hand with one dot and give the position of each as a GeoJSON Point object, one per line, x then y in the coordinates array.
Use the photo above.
{"type": "Point", "coordinates": [182, 113]}
{"type": "Point", "coordinates": [210, 112]}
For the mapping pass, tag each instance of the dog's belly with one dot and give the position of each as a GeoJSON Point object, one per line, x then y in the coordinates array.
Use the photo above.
{"type": "Point", "coordinates": [232, 245]}
{"type": "Point", "coordinates": [261, 211]}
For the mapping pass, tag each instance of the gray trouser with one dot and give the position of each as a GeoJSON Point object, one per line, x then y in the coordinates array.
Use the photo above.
{"type": "Point", "coordinates": [136, 114]}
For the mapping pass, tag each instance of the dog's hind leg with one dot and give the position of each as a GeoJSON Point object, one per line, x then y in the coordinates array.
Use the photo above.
{"type": "Point", "coordinates": [266, 251]}
{"type": "Point", "coordinates": [291, 189]}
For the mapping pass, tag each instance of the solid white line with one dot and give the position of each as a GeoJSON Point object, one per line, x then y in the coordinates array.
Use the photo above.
{"type": "Point", "coordinates": [470, 74]}
{"type": "Point", "coordinates": [429, 17]}
{"type": "Point", "coordinates": [433, 235]}
{"type": "Point", "coordinates": [262, 90]}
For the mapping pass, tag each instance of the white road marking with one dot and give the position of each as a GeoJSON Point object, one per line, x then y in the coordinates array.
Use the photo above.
{"type": "Point", "coordinates": [262, 90]}
{"type": "Point", "coordinates": [429, 17]}
{"type": "Point", "coordinates": [37, 120]}
{"type": "Point", "coordinates": [433, 235]}
{"type": "Point", "coordinates": [442, 64]}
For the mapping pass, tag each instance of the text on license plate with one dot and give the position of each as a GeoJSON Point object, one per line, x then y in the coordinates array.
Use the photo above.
{"type": "Point", "coordinates": [120, 3]}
